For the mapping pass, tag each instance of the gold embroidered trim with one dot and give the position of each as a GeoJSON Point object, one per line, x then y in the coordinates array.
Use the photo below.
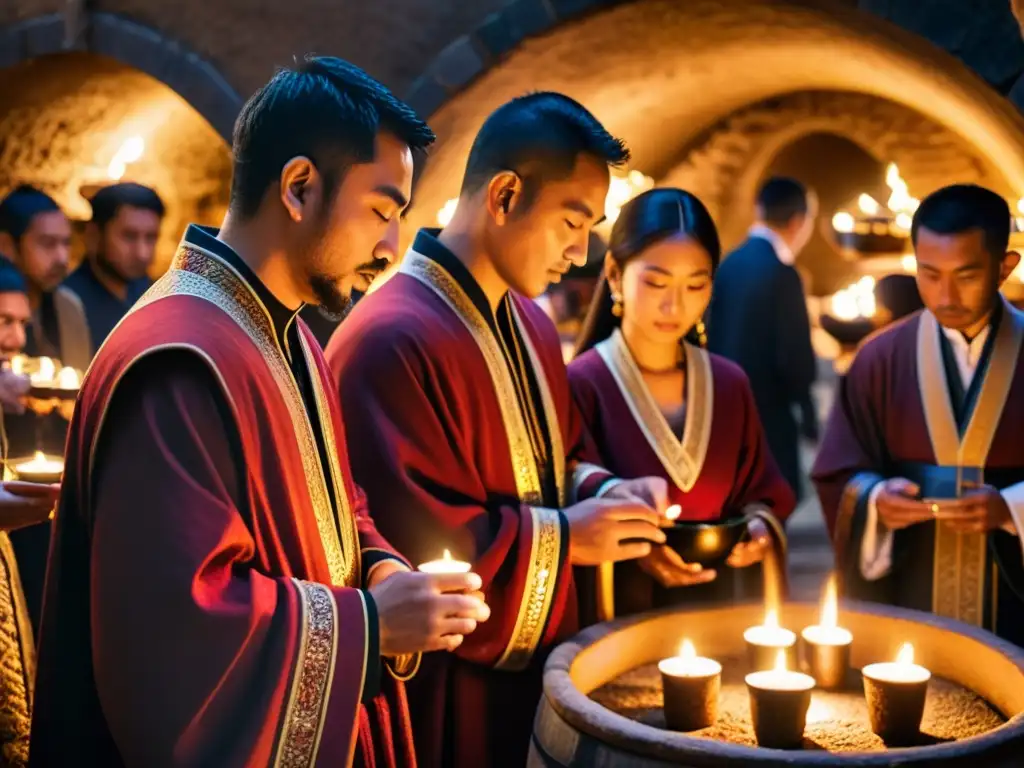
{"type": "Point", "coordinates": [545, 554]}
{"type": "Point", "coordinates": [313, 673]}
{"type": "Point", "coordinates": [346, 519]}
{"type": "Point", "coordinates": [683, 459]}
{"type": "Point", "coordinates": [546, 548]}
{"type": "Point", "coordinates": [527, 473]}
{"type": "Point", "coordinates": [959, 560]}
{"type": "Point", "coordinates": [200, 274]}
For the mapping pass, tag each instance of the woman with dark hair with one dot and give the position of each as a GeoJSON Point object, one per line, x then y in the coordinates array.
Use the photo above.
{"type": "Point", "coordinates": [657, 403]}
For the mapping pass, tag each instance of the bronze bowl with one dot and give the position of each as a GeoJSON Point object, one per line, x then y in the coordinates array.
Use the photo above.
{"type": "Point", "coordinates": [707, 542]}
{"type": "Point", "coordinates": [572, 729]}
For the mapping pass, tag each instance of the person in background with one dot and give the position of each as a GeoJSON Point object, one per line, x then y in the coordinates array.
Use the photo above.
{"type": "Point", "coordinates": [21, 504]}
{"type": "Point", "coordinates": [657, 404]}
{"type": "Point", "coordinates": [921, 467]}
{"type": "Point", "coordinates": [758, 319]}
{"type": "Point", "coordinates": [36, 235]}
{"type": "Point", "coordinates": [121, 242]}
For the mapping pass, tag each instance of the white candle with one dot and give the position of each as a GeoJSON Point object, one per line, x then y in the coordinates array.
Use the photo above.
{"type": "Point", "coordinates": [780, 678]}
{"type": "Point", "coordinates": [827, 631]}
{"type": "Point", "coordinates": [445, 565]}
{"type": "Point", "coordinates": [68, 378]}
{"type": "Point", "coordinates": [689, 664]}
{"type": "Point", "coordinates": [40, 467]}
{"type": "Point", "coordinates": [903, 670]}
{"type": "Point", "coordinates": [770, 633]}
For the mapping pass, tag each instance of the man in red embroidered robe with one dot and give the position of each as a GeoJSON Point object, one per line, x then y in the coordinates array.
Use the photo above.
{"type": "Point", "coordinates": [217, 594]}
{"type": "Point", "coordinates": [921, 469]}
{"type": "Point", "coordinates": [455, 390]}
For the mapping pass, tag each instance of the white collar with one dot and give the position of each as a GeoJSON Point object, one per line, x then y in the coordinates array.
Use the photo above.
{"type": "Point", "coordinates": [782, 250]}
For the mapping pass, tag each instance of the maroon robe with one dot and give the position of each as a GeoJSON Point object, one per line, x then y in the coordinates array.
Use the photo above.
{"type": "Point", "coordinates": [898, 413]}
{"type": "Point", "coordinates": [446, 426]}
{"type": "Point", "coordinates": [203, 597]}
{"type": "Point", "coordinates": [719, 467]}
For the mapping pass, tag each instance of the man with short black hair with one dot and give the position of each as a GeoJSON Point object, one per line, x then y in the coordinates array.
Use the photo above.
{"type": "Point", "coordinates": [921, 469]}
{"type": "Point", "coordinates": [217, 593]}
{"type": "Point", "coordinates": [120, 242]}
{"type": "Point", "coordinates": [758, 319]}
{"type": "Point", "coordinates": [455, 391]}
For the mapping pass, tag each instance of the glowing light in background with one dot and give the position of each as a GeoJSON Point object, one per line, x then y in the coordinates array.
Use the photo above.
{"type": "Point", "coordinates": [444, 216]}
{"type": "Point", "coordinates": [621, 190]}
{"type": "Point", "coordinates": [129, 152]}
{"type": "Point", "coordinates": [856, 300]}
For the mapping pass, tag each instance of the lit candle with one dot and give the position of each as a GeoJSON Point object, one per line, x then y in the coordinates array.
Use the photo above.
{"type": "Point", "coordinates": [691, 685]}
{"type": "Point", "coordinates": [827, 645]}
{"type": "Point", "coordinates": [445, 565]}
{"type": "Point", "coordinates": [40, 469]}
{"type": "Point", "coordinates": [895, 693]}
{"type": "Point", "coordinates": [764, 642]}
{"type": "Point", "coordinates": [43, 376]}
{"type": "Point", "coordinates": [673, 512]}
{"type": "Point", "coordinates": [779, 700]}
{"type": "Point", "coordinates": [68, 378]}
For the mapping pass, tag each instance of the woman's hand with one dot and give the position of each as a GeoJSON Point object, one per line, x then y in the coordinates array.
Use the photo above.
{"type": "Point", "coordinates": [753, 551]}
{"type": "Point", "coordinates": [669, 569]}
{"type": "Point", "coordinates": [23, 504]}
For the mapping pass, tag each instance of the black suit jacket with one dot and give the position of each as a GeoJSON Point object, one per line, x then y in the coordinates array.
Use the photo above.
{"type": "Point", "coordinates": [758, 319]}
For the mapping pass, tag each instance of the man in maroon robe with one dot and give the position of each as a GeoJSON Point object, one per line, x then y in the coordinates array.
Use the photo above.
{"type": "Point", "coordinates": [921, 469]}
{"type": "Point", "coordinates": [217, 594]}
{"type": "Point", "coordinates": [456, 393]}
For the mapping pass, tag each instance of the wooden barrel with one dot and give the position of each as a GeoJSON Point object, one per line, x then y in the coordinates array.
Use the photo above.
{"type": "Point", "coordinates": [572, 730]}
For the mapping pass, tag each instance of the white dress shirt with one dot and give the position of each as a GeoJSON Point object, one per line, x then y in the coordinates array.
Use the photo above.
{"type": "Point", "coordinates": [782, 250]}
{"type": "Point", "coordinates": [876, 545]}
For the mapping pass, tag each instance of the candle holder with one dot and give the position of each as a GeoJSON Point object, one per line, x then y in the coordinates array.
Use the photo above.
{"type": "Point", "coordinates": [827, 653]}
{"type": "Point", "coordinates": [895, 694]}
{"type": "Point", "coordinates": [779, 701]}
{"type": "Point", "coordinates": [766, 641]}
{"type": "Point", "coordinates": [826, 644]}
{"type": "Point", "coordinates": [690, 686]}
{"type": "Point", "coordinates": [39, 469]}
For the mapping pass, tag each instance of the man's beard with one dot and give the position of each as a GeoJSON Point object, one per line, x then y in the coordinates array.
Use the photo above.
{"type": "Point", "coordinates": [332, 303]}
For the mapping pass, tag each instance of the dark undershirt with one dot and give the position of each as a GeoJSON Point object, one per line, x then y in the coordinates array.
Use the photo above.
{"type": "Point", "coordinates": [504, 328]}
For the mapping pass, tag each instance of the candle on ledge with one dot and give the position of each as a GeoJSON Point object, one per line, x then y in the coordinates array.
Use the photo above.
{"type": "Point", "coordinates": [895, 693]}
{"type": "Point", "coordinates": [444, 565]}
{"type": "Point", "coordinates": [765, 642]}
{"type": "Point", "coordinates": [40, 469]}
{"type": "Point", "coordinates": [690, 685]}
{"type": "Point", "coordinates": [826, 644]}
{"type": "Point", "coordinates": [779, 700]}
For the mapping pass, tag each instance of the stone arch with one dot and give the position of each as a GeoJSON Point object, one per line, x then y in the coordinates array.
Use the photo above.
{"type": "Point", "coordinates": [660, 73]}
{"type": "Point", "coordinates": [130, 43]}
{"type": "Point", "coordinates": [724, 167]}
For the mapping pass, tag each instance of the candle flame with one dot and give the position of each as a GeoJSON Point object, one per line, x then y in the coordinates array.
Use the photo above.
{"type": "Point", "coordinates": [39, 456]}
{"type": "Point", "coordinates": [68, 378]}
{"type": "Point", "coordinates": [906, 654]}
{"type": "Point", "coordinates": [673, 512]}
{"type": "Point", "coordinates": [868, 205]}
{"type": "Point", "coordinates": [46, 370]}
{"type": "Point", "coordinates": [18, 364]}
{"type": "Point", "coordinates": [830, 605]}
{"type": "Point", "coordinates": [771, 619]}
{"type": "Point", "coordinates": [447, 555]}
{"type": "Point", "coordinates": [780, 662]}
{"type": "Point", "coordinates": [686, 651]}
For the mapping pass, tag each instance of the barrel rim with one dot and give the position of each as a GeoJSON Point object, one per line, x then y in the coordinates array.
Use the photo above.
{"type": "Point", "coordinates": [584, 714]}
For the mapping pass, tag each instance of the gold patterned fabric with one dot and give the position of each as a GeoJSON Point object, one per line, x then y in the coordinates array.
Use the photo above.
{"type": "Point", "coordinates": [546, 533]}
{"type": "Point", "coordinates": [17, 662]}
{"type": "Point", "coordinates": [959, 563]}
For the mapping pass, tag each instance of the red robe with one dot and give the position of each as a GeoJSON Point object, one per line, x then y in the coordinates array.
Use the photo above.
{"type": "Point", "coordinates": [203, 598]}
{"type": "Point", "coordinates": [445, 455]}
{"type": "Point", "coordinates": [898, 414]}
{"type": "Point", "coordinates": [720, 466]}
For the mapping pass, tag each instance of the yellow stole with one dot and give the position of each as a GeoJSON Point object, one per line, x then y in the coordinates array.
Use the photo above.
{"type": "Point", "coordinates": [958, 578]}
